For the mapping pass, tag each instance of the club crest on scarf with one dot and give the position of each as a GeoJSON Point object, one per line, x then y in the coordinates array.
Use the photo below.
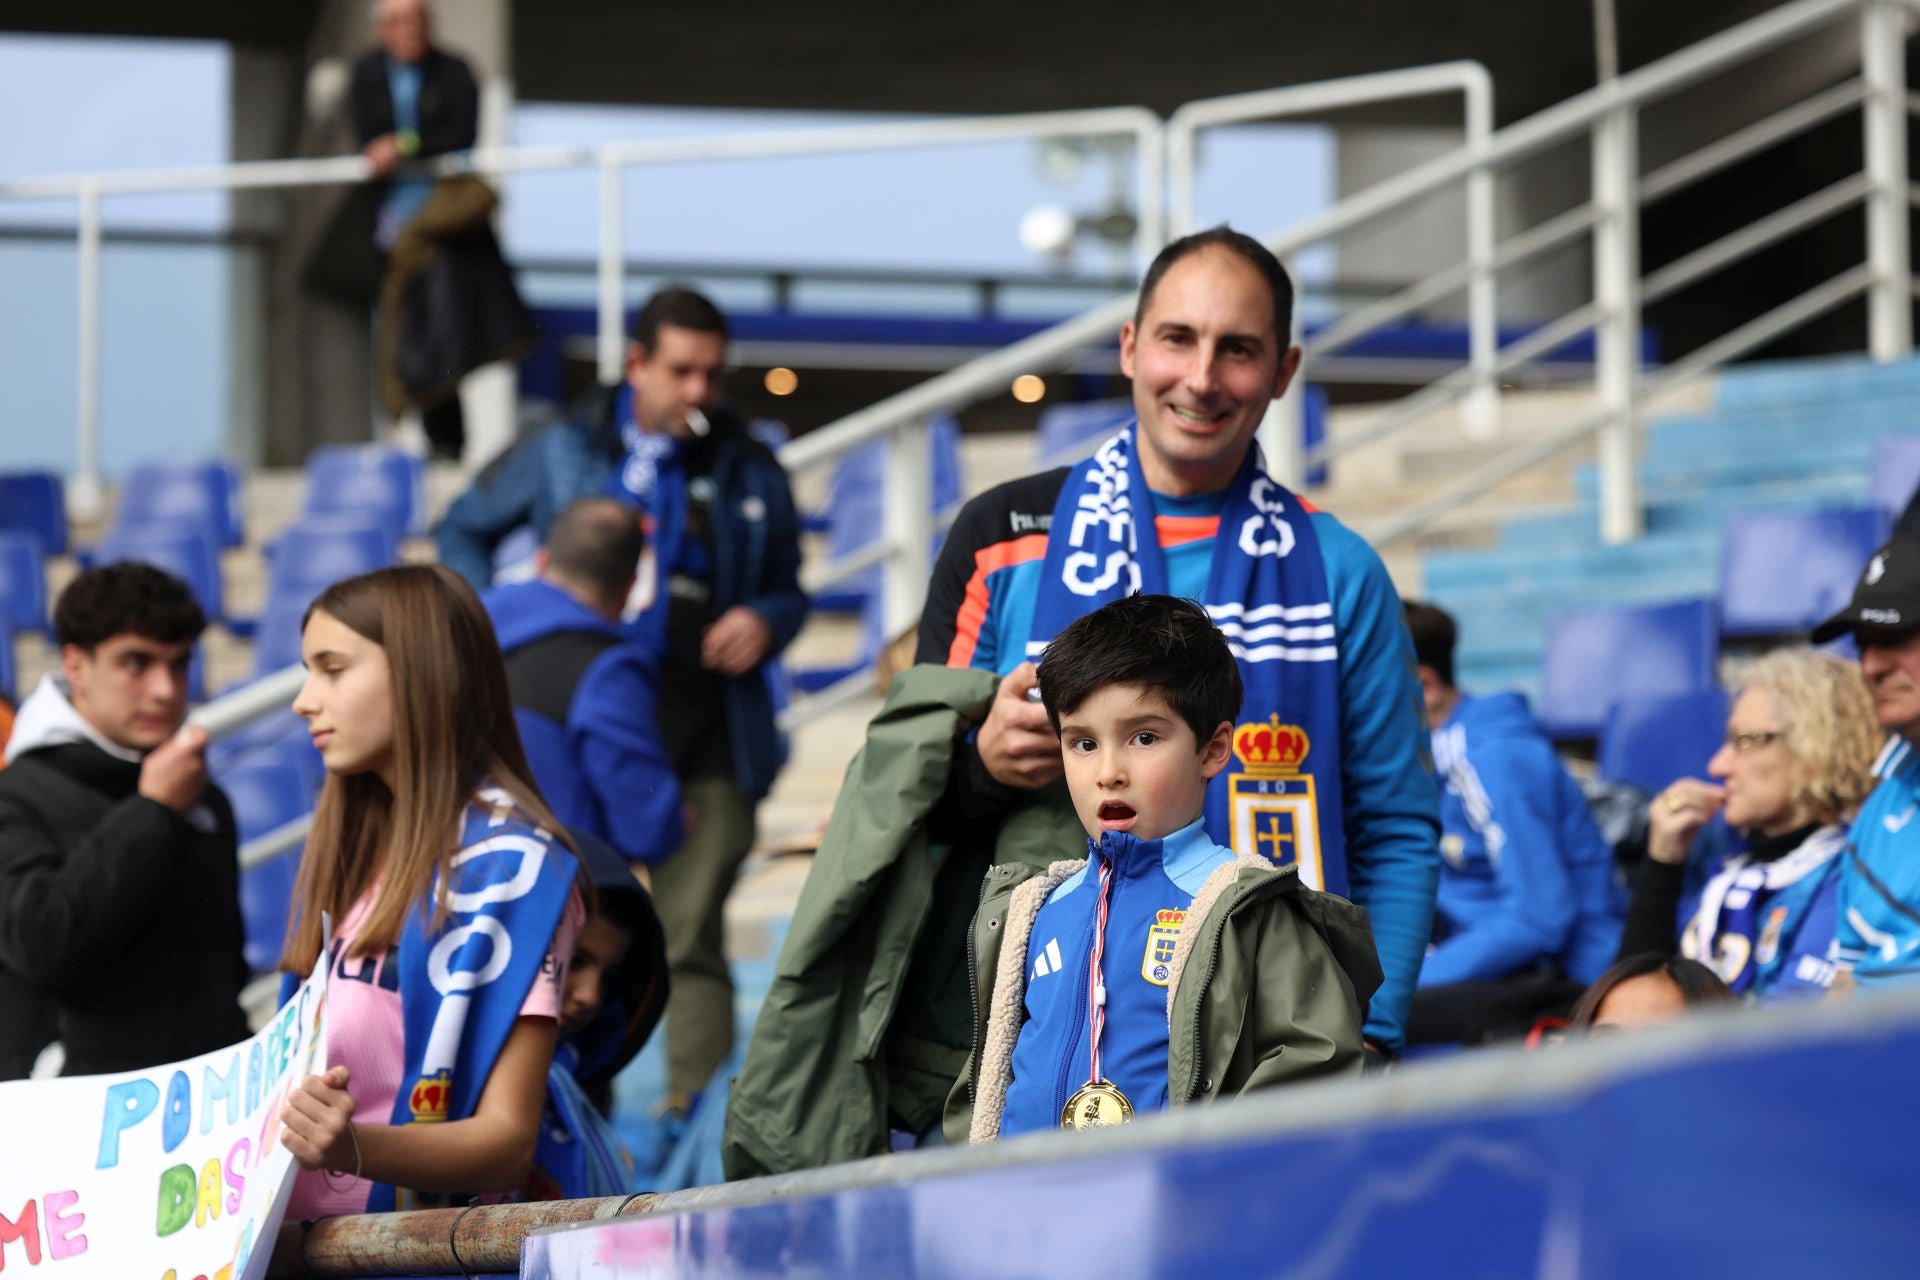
{"type": "Point", "coordinates": [1271, 801]}
{"type": "Point", "coordinates": [1267, 591]}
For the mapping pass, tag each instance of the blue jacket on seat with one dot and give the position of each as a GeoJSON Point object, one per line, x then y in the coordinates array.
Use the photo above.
{"type": "Point", "coordinates": [584, 700]}
{"type": "Point", "coordinates": [1525, 875]}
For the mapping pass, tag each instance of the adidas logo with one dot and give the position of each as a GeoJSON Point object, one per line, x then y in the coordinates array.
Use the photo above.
{"type": "Point", "coordinates": [1049, 961]}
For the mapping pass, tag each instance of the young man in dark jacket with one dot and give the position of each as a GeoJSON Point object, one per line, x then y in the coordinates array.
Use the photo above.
{"type": "Point", "coordinates": [719, 597]}
{"type": "Point", "coordinates": [120, 930]}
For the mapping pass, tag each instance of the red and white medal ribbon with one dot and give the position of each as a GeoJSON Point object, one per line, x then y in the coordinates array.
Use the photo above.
{"type": "Point", "coordinates": [1096, 989]}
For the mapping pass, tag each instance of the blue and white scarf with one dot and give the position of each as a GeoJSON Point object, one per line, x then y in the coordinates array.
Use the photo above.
{"type": "Point", "coordinates": [1280, 795]}
{"type": "Point", "coordinates": [653, 478]}
{"type": "Point", "coordinates": [462, 988]}
{"type": "Point", "coordinates": [1725, 932]}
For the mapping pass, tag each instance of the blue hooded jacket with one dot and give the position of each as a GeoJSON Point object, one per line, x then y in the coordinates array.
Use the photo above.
{"type": "Point", "coordinates": [601, 768]}
{"type": "Point", "coordinates": [1525, 876]}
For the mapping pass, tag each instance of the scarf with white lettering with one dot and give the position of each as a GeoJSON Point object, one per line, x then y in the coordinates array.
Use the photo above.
{"type": "Point", "coordinates": [1280, 794]}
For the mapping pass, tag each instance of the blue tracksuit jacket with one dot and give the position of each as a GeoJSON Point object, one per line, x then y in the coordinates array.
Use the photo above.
{"type": "Point", "coordinates": [1525, 877]}
{"type": "Point", "coordinates": [1153, 884]}
{"type": "Point", "coordinates": [1877, 934]}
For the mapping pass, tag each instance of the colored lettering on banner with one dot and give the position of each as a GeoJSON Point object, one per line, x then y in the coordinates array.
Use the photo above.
{"type": "Point", "coordinates": [175, 1171]}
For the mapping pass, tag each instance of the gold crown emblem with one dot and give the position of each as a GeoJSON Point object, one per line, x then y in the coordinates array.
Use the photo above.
{"type": "Point", "coordinates": [1272, 748]}
{"type": "Point", "coordinates": [430, 1097]}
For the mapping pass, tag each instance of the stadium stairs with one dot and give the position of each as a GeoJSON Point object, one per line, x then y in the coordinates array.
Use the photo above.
{"type": "Point", "coordinates": [1788, 435]}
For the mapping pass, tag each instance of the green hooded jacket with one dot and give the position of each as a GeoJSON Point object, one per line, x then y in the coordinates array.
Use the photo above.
{"type": "Point", "coordinates": [869, 1019]}
{"type": "Point", "coordinates": [1270, 982]}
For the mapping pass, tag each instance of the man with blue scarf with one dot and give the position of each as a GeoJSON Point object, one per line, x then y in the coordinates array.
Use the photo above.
{"type": "Point", "coordinates": [718, 597]}
{"type": "Point", "coordinates": [1337, 778]}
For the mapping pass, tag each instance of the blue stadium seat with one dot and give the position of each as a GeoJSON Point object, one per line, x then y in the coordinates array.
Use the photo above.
{"type": "Point", "coordinates": [367, 480]}
{"type": "Point", "coordinates": [266, 797]}
{"type": "Point", "coordinates": [170, 492]}
{"type": "Point", "coordinates": [7, 676]}
{"type": "Point", "coordinates": [1783, 571]}
{"type": "Point", "coordinates": [276, 637]}
{"type": "Point", "coordinates": [1649, 742]}
{"type": "Point", "coordinates": [1598, 657]}
{"type": "Point", "coordinates": [23, 582]}
{"type": "Point", "coordinates": [317, 552]}
{"type": "Point", "coordinates": [32, 502]}
{"type": "Point", "coordinates": [1896, 472]}
{"type": "Point", "coordinates": [184, 550]}
{"type": "Point", "coordinates": [1067, 432]}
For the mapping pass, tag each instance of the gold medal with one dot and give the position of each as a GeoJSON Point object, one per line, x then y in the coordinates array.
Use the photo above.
{"type": "Point", "coordinates": [1096, 1105]}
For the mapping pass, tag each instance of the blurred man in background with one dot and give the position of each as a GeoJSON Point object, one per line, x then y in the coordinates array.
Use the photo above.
{"type": "Point", "coordinates": [120, 930]}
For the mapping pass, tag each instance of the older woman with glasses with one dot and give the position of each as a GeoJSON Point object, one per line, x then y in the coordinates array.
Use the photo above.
{"type": "Point", "coordinates": [1797, 762]}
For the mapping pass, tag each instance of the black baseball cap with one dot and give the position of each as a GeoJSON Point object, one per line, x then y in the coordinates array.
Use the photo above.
{"type": "Point", "coordinates": [1887, 595]}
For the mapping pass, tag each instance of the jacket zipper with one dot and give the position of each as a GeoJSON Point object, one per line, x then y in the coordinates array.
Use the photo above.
{"type": "Point", "coordinates": [1079, 1017]}
{"type": "Point", "coordinates": [973, 985]}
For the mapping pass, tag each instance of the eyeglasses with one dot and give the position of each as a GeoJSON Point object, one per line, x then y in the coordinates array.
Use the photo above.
{"type": "Point", "coordinates": [1741, 743]}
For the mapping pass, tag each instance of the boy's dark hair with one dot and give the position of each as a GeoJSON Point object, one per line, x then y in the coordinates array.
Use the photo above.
{"type": "Point", "coordinates": [122, 598]}
{"type": "Point", "coordinates": [1279, 283]}
{"type": "Point", "coordinates": [596, 542]}
{"type": "Point", "coordinates": [681, 307]}
{"type": "Point", "coordinates": [1167, 646]}
{"type": "Point", "coordinates": [1697, 984]}
{"type": "Point", "coordinates": [1434, 634]}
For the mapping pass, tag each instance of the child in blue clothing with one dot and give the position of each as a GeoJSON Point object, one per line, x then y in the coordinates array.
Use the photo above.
{"type": "Point", "coordinates": [1087, 967]}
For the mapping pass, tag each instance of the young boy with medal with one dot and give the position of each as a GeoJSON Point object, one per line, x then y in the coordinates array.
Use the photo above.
{"type": "Point", "coordinates": [1160, 969]}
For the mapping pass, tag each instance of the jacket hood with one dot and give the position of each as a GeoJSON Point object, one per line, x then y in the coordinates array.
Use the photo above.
{"type": "Point", "coordinates": [523, 612]}
{"type": "Point", "coordinates": [47, 719]}
{"type": "Point", "coordinates": [638, 996]}
{"type": "Point", "coordinates": [1497, 715]}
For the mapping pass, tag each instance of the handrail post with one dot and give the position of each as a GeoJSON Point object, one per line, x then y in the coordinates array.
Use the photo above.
{"type": "Point", "coordinates": [610, 342]}
{"type": "Point", "coordinates": [909, 523]}
{"type": "Point", "coordinates": [85, 495]}
{"type": "Point", "coordinates": [1150, 145]}
{"type": "Point", "coordinates": [1883, 51]}
{"type": "Point", "coordinates": [1616, 295]}
{"type": "Point", "coordinates": [1481, 412]}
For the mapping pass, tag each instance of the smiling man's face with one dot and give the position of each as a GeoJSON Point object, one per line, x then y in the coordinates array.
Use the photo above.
{"type": "Point", "coordinates": [1205, 363]}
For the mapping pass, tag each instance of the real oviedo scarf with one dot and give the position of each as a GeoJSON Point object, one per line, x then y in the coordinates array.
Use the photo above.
{"type": "Point", "coordinates": [653, 477]}
{"type": "Point", "coordinates": [1279, 796]}
{"type": "Point", "coordinates": [461, 988]}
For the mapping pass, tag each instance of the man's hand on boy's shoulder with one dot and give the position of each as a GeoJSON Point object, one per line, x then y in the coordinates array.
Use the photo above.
{"type": "Point", "coordinates": [1016, 741]}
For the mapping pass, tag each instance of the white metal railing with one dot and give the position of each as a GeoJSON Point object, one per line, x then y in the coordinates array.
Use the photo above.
{"type": "Point", "coordinates": [1607, 116]}
{"type": "Point", "coordinates": [610, 160]}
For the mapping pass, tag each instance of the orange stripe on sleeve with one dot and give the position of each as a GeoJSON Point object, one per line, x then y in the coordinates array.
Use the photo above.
{"type": "Point", "coordinates": [973, 607]}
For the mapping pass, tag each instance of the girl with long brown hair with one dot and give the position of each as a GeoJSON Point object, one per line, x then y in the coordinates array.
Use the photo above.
{"type": "Point", "coordinates": [450, 893]}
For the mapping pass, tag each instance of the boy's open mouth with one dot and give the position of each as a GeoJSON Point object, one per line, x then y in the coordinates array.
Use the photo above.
{"type": "Point", "coordinates": [1115, 815]}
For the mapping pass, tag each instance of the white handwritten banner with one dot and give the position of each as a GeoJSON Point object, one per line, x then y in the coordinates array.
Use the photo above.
{"type": "Point", "coordinates": [173, 1173]}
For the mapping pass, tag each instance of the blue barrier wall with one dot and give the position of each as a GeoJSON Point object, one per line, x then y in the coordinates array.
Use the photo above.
{"type": "Point", "coordinates": [1747, 1144]}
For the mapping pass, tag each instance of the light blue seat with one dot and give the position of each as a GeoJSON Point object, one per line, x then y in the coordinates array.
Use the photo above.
{"type": "Point", "coordinates": [1067, 433]}
{"type": "Point", "coordinates": [266, 796]}
{"type": "Point", "coordinates": [320, 550]}
{"type": "Point", "coordinates": [182, 549]}
{"type": "Point", "coordinates": [1650, 742]}
{"type": "Point", "coordinates": [1781, 572]}
{"type": "Point", "coordinates": [33, 502]}
{"type": "Point", "coordinates": [23, 582]}
{"type": "Point", "coordinates": [367, 480]}
{"type": "Point", "coordinates": [1597, 657]}
{"type": "Point", "coordinates": [207, 493]}
{"type": "Point", "coordinates": [1896, 472]}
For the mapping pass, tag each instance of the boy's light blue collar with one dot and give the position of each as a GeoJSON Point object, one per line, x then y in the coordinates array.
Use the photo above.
{"type": "Point", "coordinates": [1189, 844]}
